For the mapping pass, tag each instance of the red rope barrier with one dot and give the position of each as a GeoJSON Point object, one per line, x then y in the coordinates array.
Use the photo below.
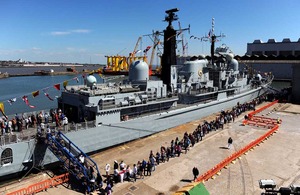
{"type": "Point", "coordinates": [41, 186]}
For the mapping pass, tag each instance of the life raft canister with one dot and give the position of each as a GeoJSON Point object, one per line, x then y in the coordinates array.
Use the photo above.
{"type": "Point", "coordinates": [200, 73]}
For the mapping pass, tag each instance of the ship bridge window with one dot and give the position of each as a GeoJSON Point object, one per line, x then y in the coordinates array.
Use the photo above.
{"type": "Point", "coordinates": [6, 156]}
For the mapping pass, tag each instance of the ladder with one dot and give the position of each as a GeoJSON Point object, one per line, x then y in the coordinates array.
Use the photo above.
{"type": "Point", "coordinates": [68, 153]}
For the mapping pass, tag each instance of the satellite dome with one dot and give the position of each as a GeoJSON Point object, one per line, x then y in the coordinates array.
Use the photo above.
{"type": "Point", "coordinates": [259, 77]}
{"type": "Point", "coordinates": [138, 71]}
{"type": "Point", "coordinates": [229, 57]}
{"type": "Point", "coordinates": [234, 64]}
{"type": "Point", "coordinates": [201, 56]}
{"type": "Point", "coordinates": [91, 81]}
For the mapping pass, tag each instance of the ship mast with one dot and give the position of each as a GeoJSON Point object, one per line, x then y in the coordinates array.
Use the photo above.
{"type": "Point", "coordinates": [212, 38]}
{"type": "Point", "coordinates": [169, 55]}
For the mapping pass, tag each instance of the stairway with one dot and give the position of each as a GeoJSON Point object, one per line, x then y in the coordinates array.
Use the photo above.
{"type": "Point", "coordinates": [68, 153]}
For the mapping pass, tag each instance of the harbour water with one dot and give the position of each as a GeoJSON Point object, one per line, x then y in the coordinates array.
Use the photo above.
{"type": "Point", "coordinates": [17, 87]}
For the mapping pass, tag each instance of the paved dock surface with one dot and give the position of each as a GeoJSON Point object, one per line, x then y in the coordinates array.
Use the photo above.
{"type": "Point", "coordinates": [278, 158]}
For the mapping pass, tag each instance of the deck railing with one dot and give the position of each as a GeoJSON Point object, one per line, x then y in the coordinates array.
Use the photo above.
{"type": "Point", "coordinates": [31, 133]}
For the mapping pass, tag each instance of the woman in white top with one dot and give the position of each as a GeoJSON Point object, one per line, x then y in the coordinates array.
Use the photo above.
{"type": "Point", "coordinates": [107, 169]}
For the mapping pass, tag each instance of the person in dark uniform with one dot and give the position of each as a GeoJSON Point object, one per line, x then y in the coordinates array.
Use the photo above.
{"type": "Point", "coordinates": [195, 172]}
{"type": "Point", "coordinates": [229, 142]}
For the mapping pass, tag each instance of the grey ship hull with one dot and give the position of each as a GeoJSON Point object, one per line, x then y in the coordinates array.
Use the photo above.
{"type": "Point", "coordinates": [104, 136]}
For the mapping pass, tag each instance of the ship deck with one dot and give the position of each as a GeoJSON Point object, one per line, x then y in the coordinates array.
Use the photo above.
{"type": "Point", "coordinates": [277, 158]}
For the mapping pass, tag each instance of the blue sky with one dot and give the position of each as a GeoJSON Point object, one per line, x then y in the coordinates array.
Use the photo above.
{"type": "Point", "coordinates": [85, 31]}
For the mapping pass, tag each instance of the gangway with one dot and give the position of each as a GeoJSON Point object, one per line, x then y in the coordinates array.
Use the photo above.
{"type": "Point", "coordinates": [68, 153]}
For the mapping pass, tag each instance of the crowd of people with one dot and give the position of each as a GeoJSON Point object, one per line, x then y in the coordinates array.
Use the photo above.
{"type": "Point", "coordinates": [177, 146]}
{"type": "Point", "coordinates": [39, 120]}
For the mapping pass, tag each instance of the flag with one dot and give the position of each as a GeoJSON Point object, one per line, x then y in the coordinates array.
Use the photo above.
{"type": "Point", "coordinates": [57, 86]}
{"type": "Point", "coordinates": [47, 95]}
{"type": "Point", "coordinates": [65, 83]}
{"type": "Point", "coordinates": [35, 93]}
{"type": "Point", "coordinates": [99, 72]}
{"type": "Point", "coordinates": [2, 110]}
{"type": "Point", "coordinates": [11, 101]}
{"type": "Point", "coordinates": [147, 49]}
{"type": "Point", "coordinates": [91, 73]}
{"type": "Point", "coordinates": [209, 34]}
{"type": "Point", "coordinates": [27, 102]}
{"type": "Point", "coordinates": [76, 78]}
{"type": "Point", "coordinates": [137, 51]}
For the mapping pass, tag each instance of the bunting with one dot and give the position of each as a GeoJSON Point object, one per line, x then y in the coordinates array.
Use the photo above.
{"type": "Point", "coordinates": [209, 33]}
{"type": "Point", "coordinates": [27, 102]}
{"type": "Point", "coordinates": [57, 86]}
{"type": "Point", "coordinates": [47, 94]}
{"type": "Point", "coordinates": [138, 51]}
{"type": "Point", "coordinates": [2, 110]}
{"type": "Point", "coordinates": [99, 72]}
{"type": "Point", "coordinates": [147, 49]}
{"type": "Point", "coordinates": [76, 79]}
{"type": "Point", "coordinates": [35, 93]}
{"type": "Point", "coordinates": [65, 83]}
{"type": "Point", "coordinates": [11, 101]}
{"type": "Point", "coordinates": [91, 73]}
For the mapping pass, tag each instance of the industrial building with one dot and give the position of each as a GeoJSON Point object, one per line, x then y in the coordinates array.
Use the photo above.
{"type": "Point", "coordinates": [272, 47]}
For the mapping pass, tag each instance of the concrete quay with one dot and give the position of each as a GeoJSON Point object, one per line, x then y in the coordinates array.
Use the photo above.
{"type": "Point", "coordinates": [277, 158]}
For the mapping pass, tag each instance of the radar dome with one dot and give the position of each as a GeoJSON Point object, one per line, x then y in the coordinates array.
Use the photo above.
{"type": "Point", "coordinates": [259, 77]}
{"type": "Point", "coordinates": [201, 56]}
{"type": "Point", "coordinates": [138, 71]}
{"type": "Point", "coordinates": [91, 81]}
{"type": "Point", "coordinates": [229, 57]}
{"type": "Point", "coordinates": [234, 64]}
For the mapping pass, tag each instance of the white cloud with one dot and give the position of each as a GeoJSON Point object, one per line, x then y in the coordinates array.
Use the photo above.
{"type": "Point", "coordinates": [61, 33]}
{"type": "Point", "coordinates": [35, 48]}
{"type": "Point", "coordinates": [58, 33]}
{"type": "Point", "coordinates": [81, 31]}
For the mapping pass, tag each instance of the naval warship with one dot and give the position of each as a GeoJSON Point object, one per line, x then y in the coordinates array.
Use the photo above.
{"type": "Point", "coordinates": [103, 115]}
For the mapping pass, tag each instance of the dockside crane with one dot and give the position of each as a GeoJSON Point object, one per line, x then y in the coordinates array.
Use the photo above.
{"type": "Point", "coordinates": [136, 47]}
{"type": "Point", "coordinates": [182, 39]}
{"type": "Point", "coordinates": [156, 42]}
